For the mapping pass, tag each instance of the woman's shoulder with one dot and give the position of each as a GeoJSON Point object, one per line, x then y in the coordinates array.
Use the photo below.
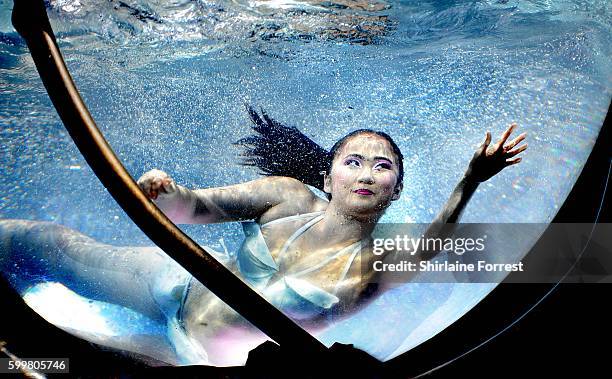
{"type": "Point", "coordinates": [297, 199]}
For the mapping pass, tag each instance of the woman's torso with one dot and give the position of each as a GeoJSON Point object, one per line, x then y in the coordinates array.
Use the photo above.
{"type": "Point", "coordinates": [340, 275]}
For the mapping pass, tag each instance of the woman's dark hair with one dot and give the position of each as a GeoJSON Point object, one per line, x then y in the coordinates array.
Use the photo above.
{"type": "Point", "coordinates": [279, 150]}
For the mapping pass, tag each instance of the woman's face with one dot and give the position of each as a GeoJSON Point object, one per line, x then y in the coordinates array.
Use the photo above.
{"type": "Point", "coordinates": [363, 178]}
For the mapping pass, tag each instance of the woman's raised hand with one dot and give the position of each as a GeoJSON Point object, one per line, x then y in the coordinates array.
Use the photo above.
{"type": "Point", "coordinates": [488, 160]}
{"type": "Point", "coordinates": [156, 182]}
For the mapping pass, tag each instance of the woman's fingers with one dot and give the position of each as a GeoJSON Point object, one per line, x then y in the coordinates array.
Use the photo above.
{"type": "Point", "coordinates": [515, 142]}
{"type": "Point", "coordinates": [168, 185]}
{"type": "Point", "coordinates": [507, 133]}
{"type": "Point", "coordinates": [487, 140]}
{"type": "Point", "coordinates": [162, 185]}
{"type": "Point", "coordinates": [154, 188]}
{"type": "Point", "coordinates": [482, 149]}
{"type": "Point", "coordinates": [487, 149]}
{"type": "Point", "coordinates": [511, 161]}
{"type": "Point", "coordinates": [155, 182]}
{"type": "Point", "coordinates": [516, 151]}
{"type": "Point", "coordinates": [504, 136]}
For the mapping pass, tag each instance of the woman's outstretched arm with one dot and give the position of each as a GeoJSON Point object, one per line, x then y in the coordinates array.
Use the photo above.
{"type": "Point", "coordinates": [244, 201]}
{"type": "Point", "coordinates": [487, 161]}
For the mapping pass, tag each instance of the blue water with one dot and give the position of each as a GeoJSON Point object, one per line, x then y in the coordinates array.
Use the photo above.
{"type": "Point", "coordinates": [167, 85]}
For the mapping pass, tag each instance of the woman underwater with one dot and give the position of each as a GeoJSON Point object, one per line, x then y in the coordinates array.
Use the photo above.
{"type": "Point", "coordinates": [303, 253]}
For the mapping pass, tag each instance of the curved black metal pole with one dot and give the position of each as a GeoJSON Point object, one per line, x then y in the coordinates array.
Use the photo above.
{"type": "Point", "coordinates": [30, 20]}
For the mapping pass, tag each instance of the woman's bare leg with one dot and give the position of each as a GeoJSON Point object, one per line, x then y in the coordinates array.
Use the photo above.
{"type": "Point", "coordinates": [141, 278]}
